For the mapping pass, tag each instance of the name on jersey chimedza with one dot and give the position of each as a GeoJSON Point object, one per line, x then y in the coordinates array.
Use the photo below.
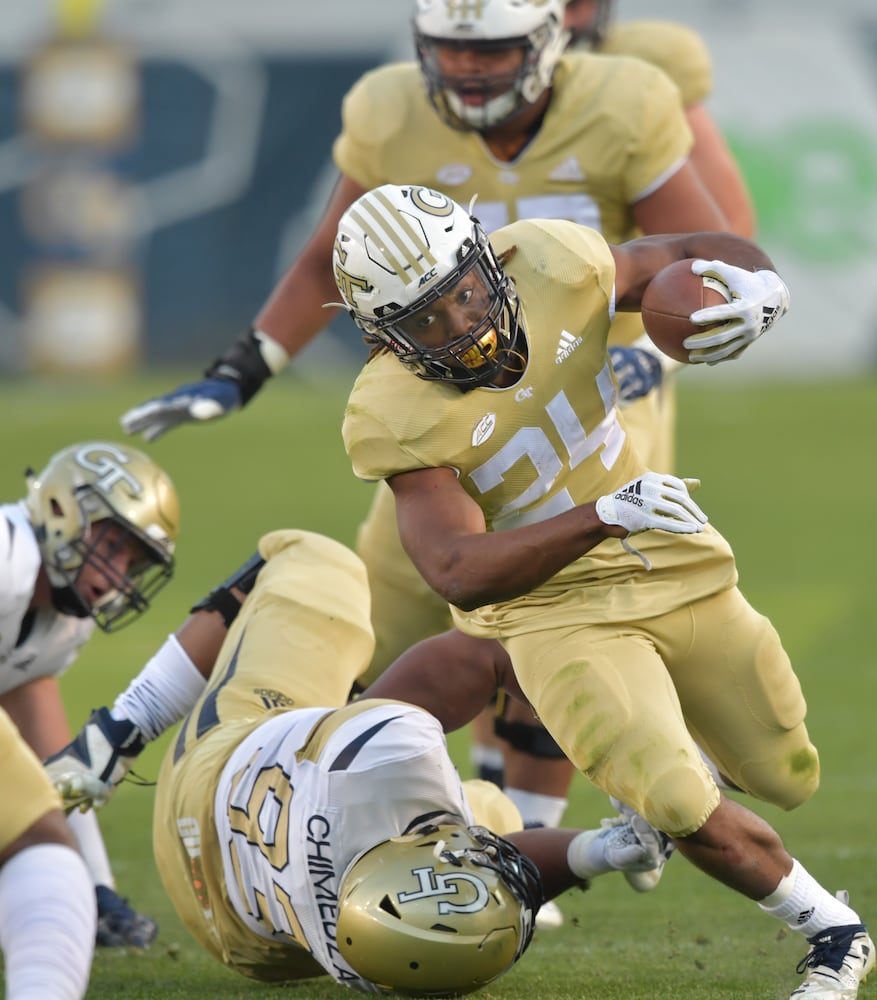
{"type": "Point", "coordinates": [631, 494]}
{"type": "Point", "coordinates": [565, 346]}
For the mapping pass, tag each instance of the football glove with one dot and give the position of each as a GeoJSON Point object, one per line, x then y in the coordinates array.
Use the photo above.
{"type": "Point", "coordinates": [637, 372]}
{"type": "Point", "coordinates": [88, 770]}
{"type": "Point", "coordinates": [654, 500]}
{"type": "Point", "coordinates": [230, 382]}
{"type": "Point", "coordinates": [79, 790]}
{"type": "Point", "coordinates": [758, 300]}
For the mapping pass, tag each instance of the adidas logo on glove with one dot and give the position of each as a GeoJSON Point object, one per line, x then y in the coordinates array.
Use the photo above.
{"type": "Point", "coordinates": [631, 494]}
{"type": "Point", "coordinates": [769, 316]}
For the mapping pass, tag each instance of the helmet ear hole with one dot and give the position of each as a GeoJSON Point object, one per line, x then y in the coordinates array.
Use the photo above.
{"type": "Point", "coordinates": [386, 905]}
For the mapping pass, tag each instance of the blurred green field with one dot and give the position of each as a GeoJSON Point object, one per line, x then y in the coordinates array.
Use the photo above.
{"type": "Point", "coordinates": [786, 477]}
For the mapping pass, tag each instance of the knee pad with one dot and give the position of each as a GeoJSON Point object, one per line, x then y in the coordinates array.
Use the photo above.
{"type": "Point", "coordinates": [680, 800]}
{"type": "Point", "coordinates": [787, 783]}
{"type": "Point", "coordinates": [528, 738]}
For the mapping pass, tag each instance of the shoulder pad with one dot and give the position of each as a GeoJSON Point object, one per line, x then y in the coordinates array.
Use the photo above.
{"type": "Point", "coordinates": [674, 48]}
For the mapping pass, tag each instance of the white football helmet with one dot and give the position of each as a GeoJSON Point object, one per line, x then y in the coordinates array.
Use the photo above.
{"type": "Point", "coordinates": [483, 25]}
{"type": "Point", "coordinates": [401, 248]}
{"type": "Point", "coordinates": [84, 488]}
{"type": "Point", "coordinates": [438, 913]}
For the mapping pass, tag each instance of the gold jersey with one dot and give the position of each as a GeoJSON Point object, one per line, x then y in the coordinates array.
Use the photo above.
{"type": "Point", "coordinates": [535, 449]}
{"type": "Point", "coordinates": [614, 131]}
{"type": "Point", "coordinates": [674, 48]}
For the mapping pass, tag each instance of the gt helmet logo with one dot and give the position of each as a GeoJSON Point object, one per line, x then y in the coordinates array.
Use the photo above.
{"type": "Point", "coordinates": [466, 9]}
{"type": "Point", "coordinates": [440, 884]}
{"type": "Point", "coordinates": [107, 464]}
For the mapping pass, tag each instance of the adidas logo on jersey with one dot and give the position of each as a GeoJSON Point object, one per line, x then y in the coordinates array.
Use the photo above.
{"type": "Point", "coordinates": [567, 344]}
{"type": "Point", "coordinates": [631, 494]}
{"type": "Point", "coordinates": [273, 699]}
{"type": "Point", "coordinates": [569, 170]}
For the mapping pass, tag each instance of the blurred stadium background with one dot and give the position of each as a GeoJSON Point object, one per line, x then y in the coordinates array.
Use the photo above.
{"type": "Point", "coordinates": [161, 161]}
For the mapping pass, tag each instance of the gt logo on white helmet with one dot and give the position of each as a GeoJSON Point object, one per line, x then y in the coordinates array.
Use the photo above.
{"type": "Point", "coordinates": [433, 883]}
{"type": "Point", "coordinates": [465, 9]}
{"type": "Point", "coordinates": [348, 284]}
{"type": "Point", "coordinates": [108, 465]}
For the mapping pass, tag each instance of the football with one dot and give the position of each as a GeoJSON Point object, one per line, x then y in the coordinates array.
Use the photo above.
{"type": "Point", "coordinates": [670, 298]}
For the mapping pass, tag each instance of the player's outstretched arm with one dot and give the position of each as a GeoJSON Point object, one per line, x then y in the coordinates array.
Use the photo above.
{"type": "Point", "coordinates": [230, 382]}
{"type": "Point", "coordinates": [88, 770]}
{"type": "Point", "coordinates": [293, 315]}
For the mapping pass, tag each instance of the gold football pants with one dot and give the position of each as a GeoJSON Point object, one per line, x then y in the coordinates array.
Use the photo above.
{"type": "Point", "coordinates": [627, 703]}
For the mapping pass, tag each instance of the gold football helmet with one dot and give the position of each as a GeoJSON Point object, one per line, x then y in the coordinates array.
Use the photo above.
{"type": "Point", "coordinates": [83, 491]}
{"type": "Point", "coordinates": [437, 913]}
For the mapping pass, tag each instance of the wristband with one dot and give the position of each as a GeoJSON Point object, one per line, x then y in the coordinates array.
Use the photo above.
{"type": "Point", "coordinates": [250, 361]}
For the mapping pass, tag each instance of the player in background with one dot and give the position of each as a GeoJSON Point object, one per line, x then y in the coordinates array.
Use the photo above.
{"type": "Point", "coordinates": [89, 545]}
{"type": "Point", "coordinates": [680, 52]}
{"type": "Point", "coordinates": [629, 648]}
{"type": "Point", "coordinates": [48, 912]}
{"type": "Point", "coordinates": [266, 833]}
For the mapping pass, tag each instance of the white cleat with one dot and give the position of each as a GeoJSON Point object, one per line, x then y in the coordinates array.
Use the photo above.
{"type": "Point", "coordinates": [839, 961]}
{"type": "Point", "coordinates": [618, 845]}
{"type": "Point", "coordinates": [549, 916]}
{"type": "Point", "coordinates": [659, 844]}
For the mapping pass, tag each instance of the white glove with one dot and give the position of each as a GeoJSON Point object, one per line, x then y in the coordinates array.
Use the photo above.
{"type": "Point", "coordinates": [87, 770]}
{"type": "Point", "coordinates": [758, 300]}
{"type": "Point", "coordinates": [77, 786]}
{"type": "Point", "coordinates": [654, 500]}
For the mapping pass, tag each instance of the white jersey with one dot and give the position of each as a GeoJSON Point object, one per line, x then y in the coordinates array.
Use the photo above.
{"type": "Point", "coordinates": [51, 640]}
{"type": "Point", "coordinates": [306, 793]}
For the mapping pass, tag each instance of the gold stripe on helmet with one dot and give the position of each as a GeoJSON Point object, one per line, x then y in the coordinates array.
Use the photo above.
{"type": "Point", "coordinates": [397, 235]}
